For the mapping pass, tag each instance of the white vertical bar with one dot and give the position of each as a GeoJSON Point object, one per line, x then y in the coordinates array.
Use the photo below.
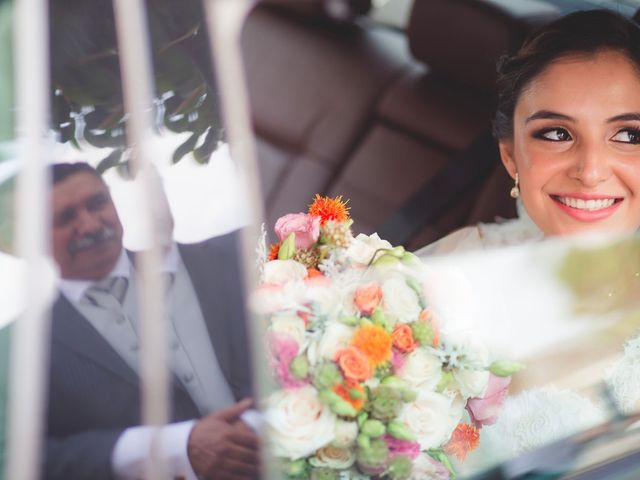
{"type": "Point", "coordinates": [137, 82]}
{"type": "Point", "coordinates": [225, 19]}
{"type": "Point", "coordinates": [29, 351]}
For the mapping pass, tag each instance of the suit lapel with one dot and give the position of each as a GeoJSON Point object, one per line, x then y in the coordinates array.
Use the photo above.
{"type": "Point", "coordinates": [215, 274]}
{"type": "Point", "coordinates": [73, 331]}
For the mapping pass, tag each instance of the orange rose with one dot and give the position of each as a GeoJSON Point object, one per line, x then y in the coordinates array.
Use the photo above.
{"type": "Point", "coordinates": [354, 364]}
{"type": "Point", "coordinates": [368, 297]}
{"type": "Point", "coordinates": [403, 338]}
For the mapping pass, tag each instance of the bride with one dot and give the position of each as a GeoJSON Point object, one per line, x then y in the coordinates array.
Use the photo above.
{"type": "Point", "coordinates": [568, 127]}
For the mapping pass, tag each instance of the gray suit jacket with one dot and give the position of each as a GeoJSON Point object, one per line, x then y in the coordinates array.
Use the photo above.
{"type": "Point", "coordinates": [94, 394]}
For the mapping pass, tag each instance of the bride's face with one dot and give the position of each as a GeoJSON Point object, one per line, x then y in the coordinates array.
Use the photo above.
{"type": "Point", "coordinates": [576, 145]}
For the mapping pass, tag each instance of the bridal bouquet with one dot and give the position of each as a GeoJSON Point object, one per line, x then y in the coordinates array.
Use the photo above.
{"type": "Point", "coordinates": [371, 382]}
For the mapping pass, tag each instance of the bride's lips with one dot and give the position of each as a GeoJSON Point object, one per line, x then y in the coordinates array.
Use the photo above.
{"type": "Point", "coordinates": [587, 207]}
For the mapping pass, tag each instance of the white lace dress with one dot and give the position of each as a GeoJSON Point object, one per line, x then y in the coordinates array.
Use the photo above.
{"type": "Point", "coordinates": [537, 416]}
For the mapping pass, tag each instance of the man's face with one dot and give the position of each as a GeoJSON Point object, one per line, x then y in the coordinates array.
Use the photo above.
{"type": "Point", "coordinates": [87, 234]}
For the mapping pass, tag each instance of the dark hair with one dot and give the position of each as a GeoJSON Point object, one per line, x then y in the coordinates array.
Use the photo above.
{"type": "Point", "coordinates": [585, 32]}
{"type": "Point", "coordinates": [60, 171]}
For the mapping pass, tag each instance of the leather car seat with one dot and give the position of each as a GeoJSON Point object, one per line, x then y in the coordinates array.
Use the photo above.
{"type": "Point", "coordinates": [347, 107]}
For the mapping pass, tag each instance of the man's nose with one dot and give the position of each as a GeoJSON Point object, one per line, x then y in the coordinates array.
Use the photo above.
{"type": "Point", "coordinates": [591, 166]}
{"type": "Point", "coordinates": [87, 222]}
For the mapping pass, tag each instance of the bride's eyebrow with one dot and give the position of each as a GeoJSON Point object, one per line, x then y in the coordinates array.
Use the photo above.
{"type": "Point", "coordinates": [548, 114]}
{"type": "Point", "coordinates": [625, 117]}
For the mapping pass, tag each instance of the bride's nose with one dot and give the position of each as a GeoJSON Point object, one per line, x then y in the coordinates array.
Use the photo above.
{"type": "Point", "coordinates": [591, 164]}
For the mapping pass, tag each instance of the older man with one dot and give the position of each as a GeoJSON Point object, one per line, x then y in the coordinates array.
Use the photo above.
{"type": "Point", "coordinates": [94, 402]}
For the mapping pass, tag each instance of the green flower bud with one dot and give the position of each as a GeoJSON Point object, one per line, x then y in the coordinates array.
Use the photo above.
{"type": "Point", "coordinates": [288, 247]}
{"type": "Point", "coordinates": [386, 260]}
{"type": "Point", "coordinates": [299, 366]}
{"type": "Point", "coordinates": [364, 441]}
{"type": "Point", "coordinates": [374, 456]}
{"type": "Point", "coordinates": [410, 259]}
{"type": "Point", "coordinates": [408, 395]}
{"type": "Point", "coordinates": [400, 431]}
{"type": "Point", "coordinates": [343, 408]}
{"type": "Point", "coordinates": [351, 320]}
{"type": "Point", "coordinates": [356, 394]}
{"type": "Point", "coordinates": [362, 417]}
{"type": "Point", "coordinates": [379, 317]}
{"type": "Point", "coordinates": [393, 381]}
{"type": "Point", "coordinates": [324, 474]}
{"type": "Point", "coordinates": [399, 468]}
{"type": "Point", "coordinates": [296, 469]}
{"type": "Point", "coordinates": [385, 402]}
{"type": "Point", "coordinates": [373, 428]}
{"type": "Point", "coordinates": [327, 376]}
{"type": "Point", "coordinates": [505, 368]}
{"type": "Point", "coordinates": [422, 332]}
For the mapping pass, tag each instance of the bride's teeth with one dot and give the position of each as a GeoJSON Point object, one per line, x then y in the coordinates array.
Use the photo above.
{"type": "Point", "coordinates": [587, 204]}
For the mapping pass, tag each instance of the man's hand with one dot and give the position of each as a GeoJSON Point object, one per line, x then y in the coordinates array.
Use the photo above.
{"type": "Point", "coordinates": [223, 447]}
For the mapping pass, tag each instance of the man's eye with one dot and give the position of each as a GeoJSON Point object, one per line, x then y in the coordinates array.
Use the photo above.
{"type": "Point", "coordinates": [628, 135]}
{"type": "Point", "coordinates": [554, 135]}
{"type": "Point", "coordinates": [97, 202]}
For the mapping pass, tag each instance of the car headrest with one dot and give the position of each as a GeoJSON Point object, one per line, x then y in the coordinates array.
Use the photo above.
{"type": "Point", "coordinates": [462, 40]}
{"type": "Point", "coordinates": [341, 10]}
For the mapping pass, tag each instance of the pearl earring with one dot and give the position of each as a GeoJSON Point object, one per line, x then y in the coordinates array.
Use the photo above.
{"type": "Point", "coordinates": [515, 191]}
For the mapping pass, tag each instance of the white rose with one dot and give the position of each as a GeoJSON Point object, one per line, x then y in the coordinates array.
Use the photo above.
{"type": "Point", "coordinates": [346, 433]}
{"type": "Point", "coordinates": [283, 271]}
{"type": "Point", "coordinates": [363, 247]}
{"type": "Point", "coordinates": [471, 383]}
{"type": "Point", "coordinates": [333, 457]}
{"type": "Point", "coordinates": [422, 370]}
{"type": "Point", "coordinates": [272, 298]}
{"type": "Point", "coordinates": [336, 336]}
{"type": "Point", "coordinates": [298, 423]}
{"type": "Point", "coordinates": [325, 300]}
{"type": "Point", "coordinates": [400, 300]}
{"type": "Point", "coordinates": [290, 324]}
{"type": "Point", "coordinates": [432, 417]}
{"type": "Point", "coordinates": [426, 468]}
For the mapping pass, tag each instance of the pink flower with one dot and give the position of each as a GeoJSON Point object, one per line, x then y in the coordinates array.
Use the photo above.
{"type": "Point", "coordinates": [284, 349]}
{"type": "Point", "coordinates": [484, 410]}
{"type": "Point", "coordinates": [306, 228]}
{"type": "Point", "coordinates": [397, 361]}
{"type": "Point", "coordinates": [402, 447]}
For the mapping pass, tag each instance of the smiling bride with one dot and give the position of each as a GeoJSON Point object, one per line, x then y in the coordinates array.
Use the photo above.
{"type": "Point", "coordinates": [568, 127]}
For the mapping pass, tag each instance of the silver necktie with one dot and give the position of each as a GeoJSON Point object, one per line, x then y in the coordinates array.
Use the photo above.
{"type": "Point", "coordinates": [108, 294]}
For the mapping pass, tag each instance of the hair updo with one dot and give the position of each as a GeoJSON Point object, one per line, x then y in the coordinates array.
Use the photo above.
{"type": "Point", "coordinates": [580, 33]}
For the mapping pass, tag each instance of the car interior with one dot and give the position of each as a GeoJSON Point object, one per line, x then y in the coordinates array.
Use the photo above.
{"type": "Point", "coordinates": [397, 120]}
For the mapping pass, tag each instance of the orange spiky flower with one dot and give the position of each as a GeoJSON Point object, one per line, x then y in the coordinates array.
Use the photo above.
{"type": "Point", "coordinates": [375, 342]}
{"type": "Point", "coordinates": [465, 438]}
{"type": "Point", "coordinates": [273, 251]}
{"type": "Point", "coordinates": [329, 209]}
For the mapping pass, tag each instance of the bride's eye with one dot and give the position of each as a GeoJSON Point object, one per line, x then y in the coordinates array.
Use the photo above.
{"type": "Point", "coordinates": [627, 135]}
{"type": "Point", "coordinates": [553, 135]}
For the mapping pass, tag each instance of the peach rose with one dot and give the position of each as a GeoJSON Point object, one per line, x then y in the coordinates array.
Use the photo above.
{"type": "Point", "coordinates": [403, 338]}
{"type": "Point", "coordinates": [368, 297]}
{"type": "Point", "coordinates": [354, 364]}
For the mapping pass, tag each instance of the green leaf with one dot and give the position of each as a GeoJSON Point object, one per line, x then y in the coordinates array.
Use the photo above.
{"type": "Point", "coordinates": [288, 247]}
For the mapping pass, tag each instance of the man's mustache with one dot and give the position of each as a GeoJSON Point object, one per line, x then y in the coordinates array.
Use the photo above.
{"type": "Point", "coordinates": [91, 239]}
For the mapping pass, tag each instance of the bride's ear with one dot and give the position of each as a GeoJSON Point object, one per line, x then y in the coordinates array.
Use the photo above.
{"type": "Point", "coordinates": [506, 155]}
